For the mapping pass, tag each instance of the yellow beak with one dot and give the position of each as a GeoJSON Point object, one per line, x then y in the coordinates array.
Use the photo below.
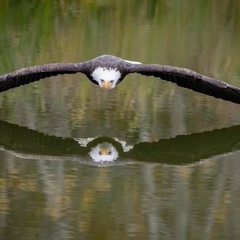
{"type": "Point", "coordinates": [105, 151]}
{"type": "Point", "coordinates": [106, 85]}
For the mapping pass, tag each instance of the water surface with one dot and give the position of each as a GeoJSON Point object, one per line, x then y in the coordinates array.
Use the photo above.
{"type": "Point", "coordinates": [176, 174]}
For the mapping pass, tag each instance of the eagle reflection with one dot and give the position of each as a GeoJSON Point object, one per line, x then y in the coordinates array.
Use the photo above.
{"type": "Point", "coordinates": [100, 151]}
{"type": "Point", "coordinates": [104, 152]}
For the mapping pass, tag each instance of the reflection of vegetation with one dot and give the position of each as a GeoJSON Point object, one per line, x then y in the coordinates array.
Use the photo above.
{"type": "Point", "coordinates": [41, 198]}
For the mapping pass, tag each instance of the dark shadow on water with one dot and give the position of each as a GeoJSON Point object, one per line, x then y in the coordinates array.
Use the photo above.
{"type": "Point", "coordinates": [105, 151]}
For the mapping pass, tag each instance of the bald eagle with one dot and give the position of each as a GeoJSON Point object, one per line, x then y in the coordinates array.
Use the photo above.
{"type": "Point", "coordinates": [107, 71]}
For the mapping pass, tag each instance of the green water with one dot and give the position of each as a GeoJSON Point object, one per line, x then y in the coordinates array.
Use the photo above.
{"type": "Point", "coordinates": [176, 174]}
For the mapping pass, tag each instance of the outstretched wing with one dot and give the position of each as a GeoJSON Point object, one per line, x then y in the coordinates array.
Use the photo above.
{"type": "Point", "coordinates": [189, 79]}
{"type": "Point", "coordinates": [32, 74]}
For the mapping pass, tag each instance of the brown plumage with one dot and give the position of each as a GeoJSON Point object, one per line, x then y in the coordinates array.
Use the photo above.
{"type": "Point", "coordinates": [107, 71]}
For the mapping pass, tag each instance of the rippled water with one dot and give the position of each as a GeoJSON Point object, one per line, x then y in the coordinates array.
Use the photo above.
{"type": "Point", "coordinates": [147, 160]}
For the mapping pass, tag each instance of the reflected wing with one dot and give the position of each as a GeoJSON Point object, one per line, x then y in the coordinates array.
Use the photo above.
{"type": "Point", "coordinates": [32, 74]}
{"type": "Point", "coordinates": [24, 140]}
{"type": "Point", "coordinates": [189, 79]}
{"type": "Point", "coordinates": [188, 149]}
{"type": "Point", "coordinates": [181, 150]}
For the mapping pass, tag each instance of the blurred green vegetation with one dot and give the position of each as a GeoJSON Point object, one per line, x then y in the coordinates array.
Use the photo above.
{"type": "Point", "coordinates": [173, 32]}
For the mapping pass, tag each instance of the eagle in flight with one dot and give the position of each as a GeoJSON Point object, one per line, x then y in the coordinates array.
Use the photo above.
{"type": "Point", "coordinates": [107, 71]}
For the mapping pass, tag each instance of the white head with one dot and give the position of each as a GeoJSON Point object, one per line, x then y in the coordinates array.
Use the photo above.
{"type": "Point", "coordinates": [104, 152]}
{"type": "Point", "coordinates": [106, 77]}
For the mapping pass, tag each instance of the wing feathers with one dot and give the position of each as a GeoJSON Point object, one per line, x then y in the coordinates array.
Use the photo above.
{"type": "Point", "coordinates": [182, 77]}
{"type": "Point", "coordinates": [32, 74]}
{"type": "Point", "coordinates": [191, 80]}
